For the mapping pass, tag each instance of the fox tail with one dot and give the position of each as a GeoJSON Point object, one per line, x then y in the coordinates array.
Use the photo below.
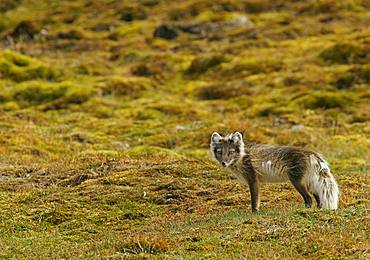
{"type": "Point", "coordinates": [321, 182]}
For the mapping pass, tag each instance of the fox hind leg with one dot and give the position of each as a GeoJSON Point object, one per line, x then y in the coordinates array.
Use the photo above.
{"type": "Point", "coordinates": [304, 193]}
{"type": "Point", "coordinates": [295, 177]}
{"type": "Point", "coordinates": [317, 198]}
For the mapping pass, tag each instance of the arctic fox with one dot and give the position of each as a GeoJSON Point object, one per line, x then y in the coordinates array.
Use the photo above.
{"type": "Point", "coordinates": [253, 164]}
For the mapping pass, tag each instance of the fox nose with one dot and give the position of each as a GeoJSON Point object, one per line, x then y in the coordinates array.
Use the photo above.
{"type": "Point", "coordinates": [223, 163]}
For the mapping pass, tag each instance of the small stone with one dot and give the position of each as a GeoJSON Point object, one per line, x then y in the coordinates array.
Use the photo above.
{"type": "Point", "coordinates": [182, 128]}
{"type": "Point", "coordinates": [120, 145]}
{"type": "Point", "coordinates": [240, 20]}
{"type": "Point", "coordinates": [279, 121]}
{"type": "Point", "coordinates": [296, 128]}
{"type": "Point", "coordinates": [103, 27]}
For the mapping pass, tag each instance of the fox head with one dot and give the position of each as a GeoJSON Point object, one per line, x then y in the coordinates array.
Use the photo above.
{"type": "Point", "coordinates": [227, 150]}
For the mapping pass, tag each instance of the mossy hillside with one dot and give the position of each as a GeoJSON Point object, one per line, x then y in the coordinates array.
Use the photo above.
{"type": "Point", "coordinates": [34, 93]}
{"type": "Point", "coordinates": [105, 126]}
{"type": "Point", "coordinates": [20, 67]}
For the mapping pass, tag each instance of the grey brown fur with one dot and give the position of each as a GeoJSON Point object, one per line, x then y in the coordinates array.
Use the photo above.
{"type": "Point", "coordinates": [257, 163]}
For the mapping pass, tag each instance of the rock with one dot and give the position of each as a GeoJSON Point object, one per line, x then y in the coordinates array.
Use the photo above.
{"type": "Point", "coordinates": [297, 128]}
{"type": "Point", "coordinates": [199, 28]}
{"type": "Point", "coordinates": [165, 32]}
{"type": "Point", "coordinates": [190, 210]}
{"type": "Point", "coordinates": [279, 121]}
{"type": "Point", "coordinates": [120, 145]}
{"type": "Point", "coordinates": [240, 20]}
{"type": "Point", "coordinates": [206, 28]}
{"type": "Point", "coordinates": [182, 128]}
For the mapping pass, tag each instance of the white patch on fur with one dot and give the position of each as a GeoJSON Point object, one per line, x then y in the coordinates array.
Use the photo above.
{"type": "Point", "coordinates": [272, 173]}
{"type": "Point", "coordinates": [215, 138]}
{"type": "Point", "coordinates": [237, 137]}
{"type": "Point", "coordinates": [324, 185]}
{"type": "Point", "coordinates": [228, 137]}
{"type": "Point", "coordinates": [227, 164]}
{"type": "Point", "coordinates": [241, 149]}
{"type": "Point", "coordinates": [266, 167]}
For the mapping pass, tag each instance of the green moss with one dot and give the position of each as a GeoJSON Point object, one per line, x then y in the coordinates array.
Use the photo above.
{"type": "Point", "coordinates": [362, 74]}
{"type": "Point", "coordinates": [202, 64]}
{"type": "Point", "coordinates": [6, 5]}
{"type": "Point", "coordinates": [328, 7]}
{"type": "Point", "coordinates": [3, 23]}
{"type": "Point", "coordinates": [253, 66]}
{"type": "Point", "coordinates": [325, 100]}
{"type": "Point", "coordinates": [127, 31]}
{"type": "Point", "coordinates": [131, 13]}
{"type": "Point", "coordinates": [257, 6]}
{"type": "Point", "coordinates": [35, 93]}
{"type": "Point", "coordinates": [210, 16]}
{"type": "Point", "coordinates": [32, 93]}
{"type": "Point", "coordinates": [77, 94]}
{"type": "Point", "coordinates": [97, 107]}
{"type": "Point", "coordinates": [10, 106]}
{"type": "Point", "coordinates": [73, 34]}
{"type": "Point", "coordinates": [345, 53]}
{"type": "Point", "coordinates": [345, 81]}
{"type": "Point", "coordinates": [93, 69]}
{"type": "Point", "coordinates": [130, 86]}
{"type": "Point", "coordinates": [356, 75]}
{"type": "Point", "coordinates": [152, 151]}
{"type": "Point", "coordinates": [265, 109]}
{"type": "Point", "coordinates": [162, 140]}
{"type": "Point", "coordinates": [149, 114]}
{"type": "Point", "coordinates": [19, 67]}
{"type": "Point", "coordinates": [223, 91]}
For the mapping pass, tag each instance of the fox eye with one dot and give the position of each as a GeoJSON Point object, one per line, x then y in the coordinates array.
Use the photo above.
{"type": "Point", "coordinates": [218, 150]}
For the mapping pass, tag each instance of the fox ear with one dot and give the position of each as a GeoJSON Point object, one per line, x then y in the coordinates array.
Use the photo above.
{"type": "Point", "coordinates": [237, 137]}
{"type": "Point", "coordinates": [216, 137]}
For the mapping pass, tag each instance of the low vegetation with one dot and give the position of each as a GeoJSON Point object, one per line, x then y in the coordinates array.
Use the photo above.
{"type": "Point", "coordinates": [106, 111]}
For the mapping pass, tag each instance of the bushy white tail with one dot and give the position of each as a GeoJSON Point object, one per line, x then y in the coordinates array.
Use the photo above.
{"type": "Point", "coordinates": [321, 182]}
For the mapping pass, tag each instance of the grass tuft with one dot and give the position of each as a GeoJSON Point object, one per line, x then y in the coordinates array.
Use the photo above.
{"type": "Point", "coordinates": [142, 245]}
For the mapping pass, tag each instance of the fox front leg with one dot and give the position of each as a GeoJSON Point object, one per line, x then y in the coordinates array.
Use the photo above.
{"type": "Point", "coordinates": [254, 190]}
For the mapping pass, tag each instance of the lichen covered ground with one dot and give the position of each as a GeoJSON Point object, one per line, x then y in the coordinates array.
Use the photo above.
{"type": "Point", "coordinates": [106, 111]}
